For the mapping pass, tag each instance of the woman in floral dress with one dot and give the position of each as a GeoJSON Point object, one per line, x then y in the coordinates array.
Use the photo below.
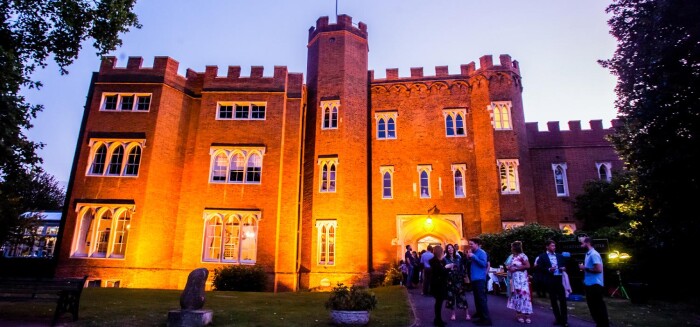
{"type": "Point", "coordinates": [456, 294]}
{"type": "Point", "coordinates": [519, 297]}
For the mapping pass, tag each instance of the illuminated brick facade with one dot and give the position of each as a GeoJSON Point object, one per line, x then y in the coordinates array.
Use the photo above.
{"type": "Point", "coordinates": [318, 183]}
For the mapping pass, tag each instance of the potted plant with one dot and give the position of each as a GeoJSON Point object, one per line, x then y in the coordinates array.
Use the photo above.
{"type": "Point", "coordinates": [350, 305]}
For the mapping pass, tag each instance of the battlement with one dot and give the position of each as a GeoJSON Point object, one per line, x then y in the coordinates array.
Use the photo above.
{"type": "Point", "coordinates": [161, 66]}
{"type": "Point", "coordinates": [441, 72]}
{"type": "Point", "coordinates": [554, 136]}
{"type": "Point", "coordinates": [344, 23]}
{"type": "Point", "coordinates": [164, 70]}
{"type": "Point", "coordinates": [235, 82]}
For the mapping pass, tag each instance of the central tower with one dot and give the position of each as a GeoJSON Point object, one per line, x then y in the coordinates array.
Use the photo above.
{"type": "Point", "coordinates": [335, 227]}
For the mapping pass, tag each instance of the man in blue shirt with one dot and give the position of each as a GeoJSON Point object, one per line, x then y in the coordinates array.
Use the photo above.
{"type": "Point", "coordinates": [479, 268]}
{"type": "Point", "coordinates": [593, 283]}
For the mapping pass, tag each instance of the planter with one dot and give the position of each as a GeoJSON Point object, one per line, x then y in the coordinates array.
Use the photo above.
{"type": "Point", "coordinates": [341, 317]}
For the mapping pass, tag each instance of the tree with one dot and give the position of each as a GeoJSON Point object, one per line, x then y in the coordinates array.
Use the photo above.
{"type": "Point", "coordinates": [657, 63]}
{"type": "Point", "coordinates": [30, 32]}
{"type": "Point", "coordinates": [596, 207]}
{"type": "Point", "coordinates": [28, 193]}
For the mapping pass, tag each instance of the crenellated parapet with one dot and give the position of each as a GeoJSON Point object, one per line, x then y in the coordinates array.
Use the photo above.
{"type": "Point", "coordinates": [575, 136]}
{"type": "Point", "coordinates": [344, 23]}
{"type": "Point", "coordinates": [256, 82]}
{"type": "Point", "coordinates": [442, 72]}
{"type": "Point", "coordinates": [165, 69]}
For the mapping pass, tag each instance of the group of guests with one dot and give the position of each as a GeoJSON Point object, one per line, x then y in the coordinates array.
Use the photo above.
{"type": "Point", "coordinates": [448, 274]}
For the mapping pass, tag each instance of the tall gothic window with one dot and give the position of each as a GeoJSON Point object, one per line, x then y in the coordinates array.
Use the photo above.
{"type": "Point", "coordinates": [326, 234]}
{"type": "Point", "coordinates": [560, 182]}
{"type": "Point", "coordinates": [508, 173]}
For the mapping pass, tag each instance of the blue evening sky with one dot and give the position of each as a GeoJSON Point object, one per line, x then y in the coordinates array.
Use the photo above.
{"type": "Point", "coordinates": [557, 43]}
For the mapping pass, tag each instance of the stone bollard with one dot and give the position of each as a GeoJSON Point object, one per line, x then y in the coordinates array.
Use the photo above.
{"type": "Point", "coordinates": [192, 299]}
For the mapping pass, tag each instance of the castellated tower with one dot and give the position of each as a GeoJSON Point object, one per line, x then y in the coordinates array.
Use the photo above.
{"type": "Point", "coordinates": [499, 90]}
{"type": "Point", "coordinates": [335, 191]}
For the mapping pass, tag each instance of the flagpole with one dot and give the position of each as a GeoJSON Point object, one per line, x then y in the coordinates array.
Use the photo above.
{"type": "Point", "coordinates": [336, 8]}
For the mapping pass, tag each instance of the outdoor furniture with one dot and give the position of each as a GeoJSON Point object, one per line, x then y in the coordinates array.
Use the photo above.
{"type": "Point", "coordinates": [65, 291]}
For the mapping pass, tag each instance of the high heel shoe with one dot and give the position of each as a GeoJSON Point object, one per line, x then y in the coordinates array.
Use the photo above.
{"type": "Point", "coordinates": [453, 317]}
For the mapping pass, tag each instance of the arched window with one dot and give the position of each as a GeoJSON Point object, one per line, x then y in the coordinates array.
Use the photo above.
{"type": "Point", "coordinates": [334, 118]}
{"type": "Point", "coordinates": [604, 171]}
{"type": "Point", "coordinates": [327, 118]}
{"type": "Point", "coordinates": [212, 240]}
{"type": "Point", "coordinates": [218, 172]}
{"type": "Point", "coordinates": [254, 168]}
{"type": "Point", "coordinates": [386, 186]}
{"type": "Point", "coordinates": [121, 234]}
{"type": "Point", "coordinates": [326, 232]}
{"type": "Point", "coordinates": [115, 163]}
{"type": "Point", "coordinates": [501, 115]}
{"type": "Point", "coordinates": [381, 129]}
{"type": "Point", "coordinates": [459, 125]}
{"type": "Point", "coordinates": [133, 161]}
{"type": "Point", "coordinates": [103, 232]}
{"type": "Point", "coordinates": [249, 232]}
{"type": "Point", "coordinates": [237, 168]}
{"type": "Point", "coordinates": [98, 161]}
{"type": "Point", "coordinates": [391, 128]}
{"type": "Point", "coordinates": [459, 184]}
{"type": "Point", "coordinates": [449, 126]}
{"type": "Point", "coordinates": [232, 236]}
{"type": "Point", "coordinates": [324, 178]}
{"type": "Point", "coordinates": [508, 172]}
{"type": "Point", "coordinates": [560, 182]}
{"type": "Point", "coordinates": [327, 174]}
{"type": "Point", "coordinates": [331, 179]}
{"type": "Point", "coordinates": [424, 185]}
{"type": "Point", "coordinates": [84, 236]}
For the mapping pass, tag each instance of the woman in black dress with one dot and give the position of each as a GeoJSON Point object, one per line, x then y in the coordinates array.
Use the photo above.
{"type": "Point", "coordinates": [438, 282]}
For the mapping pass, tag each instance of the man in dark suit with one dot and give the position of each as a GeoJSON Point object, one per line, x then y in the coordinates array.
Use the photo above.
{"type": "Point", "coordinates": [411, 262]}
{"type": "Point", "coordinates": [551, 265]}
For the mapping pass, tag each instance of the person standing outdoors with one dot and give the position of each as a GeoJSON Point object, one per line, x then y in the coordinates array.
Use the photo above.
{"type": "Point", "coordinates": [551, 265]}
{"type": "Point", "coordinates": [424, 258]}
{"type": "Point", "coordinates": [438, 282]}
{"type": "Point", "coordinates": [410, 262]}
{"type": "Point", "coordinates": [479, 268]}
{"type": "Point", "coordinates": [592, 268]}
{"type": "Point", "coordinates": [519, 290]}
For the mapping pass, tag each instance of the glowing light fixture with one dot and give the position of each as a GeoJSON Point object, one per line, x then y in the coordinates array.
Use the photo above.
{"type": "Point", "coordinates": [617, 255]}
{"type": "Point", "coordinates": [428, 225]}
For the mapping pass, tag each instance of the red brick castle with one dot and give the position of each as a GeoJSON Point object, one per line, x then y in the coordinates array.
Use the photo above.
{"type": "Point", "coordinates": [318, 183]}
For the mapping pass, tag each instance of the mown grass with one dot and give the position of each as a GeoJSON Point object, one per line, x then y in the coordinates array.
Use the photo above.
{"type": "Point", "coordinates": [147, 307]}
{"type": "Point", "coordinates": [623, 313]}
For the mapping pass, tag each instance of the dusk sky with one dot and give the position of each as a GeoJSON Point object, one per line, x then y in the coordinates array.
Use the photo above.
{"type": "Point", "coordinates": [557, 44]}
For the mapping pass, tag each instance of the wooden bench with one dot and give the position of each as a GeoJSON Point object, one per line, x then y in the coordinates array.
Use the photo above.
{"type": "Point", "coordinates": [65, 291]}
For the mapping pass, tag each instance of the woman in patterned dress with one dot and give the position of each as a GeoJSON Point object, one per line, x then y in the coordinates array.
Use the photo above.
{"type": "Point", "coordinates": [456, 294]}
{"type": "Point", "coordinates": [519, 297]}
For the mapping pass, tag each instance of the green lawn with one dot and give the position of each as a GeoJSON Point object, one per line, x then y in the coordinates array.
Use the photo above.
{"type": "Point", "coordinates": [145, 307]}
{"type": "Point", "coordinates": [623, 313]}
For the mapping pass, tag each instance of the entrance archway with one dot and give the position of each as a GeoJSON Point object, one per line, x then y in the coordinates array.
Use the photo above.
{"type": "Point", "coordinates": [421, 230]}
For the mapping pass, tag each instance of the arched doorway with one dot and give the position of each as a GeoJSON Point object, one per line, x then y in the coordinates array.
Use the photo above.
{"type": "Point", "coordinates": [421, 230]}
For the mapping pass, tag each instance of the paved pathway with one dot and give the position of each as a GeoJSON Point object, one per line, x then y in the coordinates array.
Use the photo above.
{"type": "Point", "coordinates": [500, 315]}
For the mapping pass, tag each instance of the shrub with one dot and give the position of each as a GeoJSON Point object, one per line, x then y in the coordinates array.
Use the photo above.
{"type": "Point", "coordinates": [393, 277]}
{"type": "Point", "coordinates": [240, 278]}
{"type": "Point", "coordinates": [353, 298]}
